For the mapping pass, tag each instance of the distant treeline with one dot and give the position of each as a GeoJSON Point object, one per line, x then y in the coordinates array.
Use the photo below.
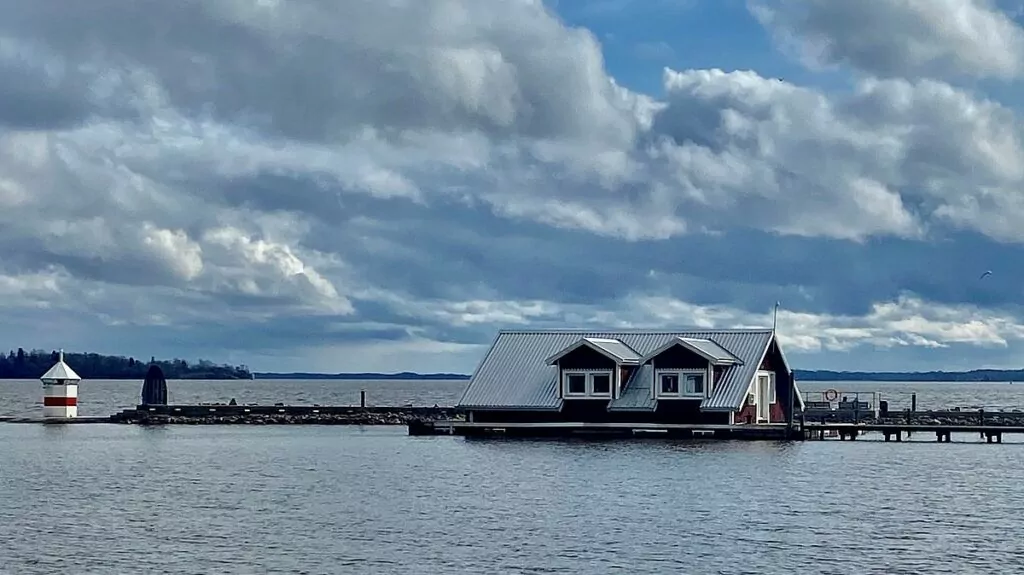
{"type": "Point", "coordinates": [801, 374]}
{"type": "Point", "coordinates": [405, 375]}
{"type": "Point", "coordinates": [21, 364]}
{"type": "Point", "coordinates": [32, 364]}
{"type": "Point", "coordinates": [973, 375]}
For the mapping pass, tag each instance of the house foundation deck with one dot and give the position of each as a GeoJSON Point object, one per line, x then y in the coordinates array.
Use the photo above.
{"type": "Point", "coordinates": [775, 431]}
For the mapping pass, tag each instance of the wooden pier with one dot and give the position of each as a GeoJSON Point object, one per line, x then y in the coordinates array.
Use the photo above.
{"type": "Point", "coordinates": [897, 431]}
{"type": "Point", "coordinates": [988, 425]}
{"type": "Point", "coordinates": [774, 431]}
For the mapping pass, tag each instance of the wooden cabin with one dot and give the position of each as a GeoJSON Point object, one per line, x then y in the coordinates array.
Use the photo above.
{"type": "Point", "coordinates": [736, 376]}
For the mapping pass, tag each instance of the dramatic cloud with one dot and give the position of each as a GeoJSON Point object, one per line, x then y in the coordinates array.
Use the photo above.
{"type": "Point", "coordinates": [381, 185]}
{"type": "Point", "coordinates": [900, 38]}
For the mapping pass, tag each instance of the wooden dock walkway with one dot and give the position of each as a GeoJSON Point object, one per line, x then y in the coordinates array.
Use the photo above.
{"type": "Point", "coordinates": [896, 431]}
{"type": "Point", "coordinates": [777, 431]}
{"type": "Point", "coordinates": [772, 431]}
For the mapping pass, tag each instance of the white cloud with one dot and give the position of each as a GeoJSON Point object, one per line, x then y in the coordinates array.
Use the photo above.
{"type": "Point", "coordinates": [890, 158]}
{"type": "Point", "coordinates": [900, 38]}
{"type": "Point", "coordinates": [441, 168]}
{"type": "Point", "coordinates": [30, 290]}
{"type": "Point", "coordinates": [906, 321]}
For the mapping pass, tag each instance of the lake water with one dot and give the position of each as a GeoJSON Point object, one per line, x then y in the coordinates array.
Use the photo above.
{"type": "Point", "coordinates": [104, 397]}
{"type": "Point", "coordinates": [86, 499]}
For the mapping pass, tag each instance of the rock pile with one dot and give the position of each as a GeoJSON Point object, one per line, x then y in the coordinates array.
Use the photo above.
{"type": "Point", "coordinates": [396, 417]}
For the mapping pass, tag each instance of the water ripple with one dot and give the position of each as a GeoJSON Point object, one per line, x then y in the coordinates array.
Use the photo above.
{"type": "Point", "coordinates": [185, 500]}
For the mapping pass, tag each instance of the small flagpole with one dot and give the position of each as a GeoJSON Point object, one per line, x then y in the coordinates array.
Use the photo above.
{"type": "Point", "coordinates": [775, 316]}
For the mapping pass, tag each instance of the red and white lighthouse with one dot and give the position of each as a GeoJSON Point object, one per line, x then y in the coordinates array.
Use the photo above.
{"type": "Point", "coordinates": [60, 391]}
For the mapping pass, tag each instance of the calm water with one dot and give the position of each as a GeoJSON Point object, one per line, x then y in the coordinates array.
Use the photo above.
{"type": "Point", "coordinates": [186, 500]}
{"type": "Point", "coordinates": [310, 499]}
{"type": "Point", "coordinates": [104, 397]}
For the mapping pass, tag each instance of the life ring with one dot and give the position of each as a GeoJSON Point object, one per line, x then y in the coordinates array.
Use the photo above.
{"type": "Point", "coordinates": [831, 395]}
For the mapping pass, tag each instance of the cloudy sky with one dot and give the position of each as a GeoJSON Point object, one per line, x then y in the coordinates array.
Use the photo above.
{"type": "Point", "coordinates": [381, 184]}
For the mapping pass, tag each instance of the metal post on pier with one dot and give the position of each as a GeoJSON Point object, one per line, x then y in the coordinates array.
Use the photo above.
{"type": "Point", "coordinates": [913, 402]}
{"type": "Point", "coordinates": [792, 401]}
{"type": "Point", "coordinates": [362, 398]}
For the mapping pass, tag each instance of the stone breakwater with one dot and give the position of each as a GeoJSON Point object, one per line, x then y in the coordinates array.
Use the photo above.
{"type": "Point", "coordinates": [280, 415]}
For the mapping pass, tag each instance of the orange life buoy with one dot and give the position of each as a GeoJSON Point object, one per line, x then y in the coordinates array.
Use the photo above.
{"type": "Point", "coordinates": [831, 395]}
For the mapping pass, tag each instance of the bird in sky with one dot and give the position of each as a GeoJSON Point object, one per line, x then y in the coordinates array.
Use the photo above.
{"type": "Point", "coordinates": [985, 275]}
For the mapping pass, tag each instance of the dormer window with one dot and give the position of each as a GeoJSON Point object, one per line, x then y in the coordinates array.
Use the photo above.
{"type": "Point", "coordinates": [593, 367]}
{"type": "Point", "coordinates": [585, 383]}
{"type": "Point", "coordinates": [575, 384]}
{"type": "Point", "coordinates": [681, 383]}
{"type": "Point", "coordinates": [669, 384]}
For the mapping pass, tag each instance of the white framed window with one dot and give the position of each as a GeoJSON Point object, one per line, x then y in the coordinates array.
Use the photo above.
{"type": "Point", "coordinates": [681, 383]}
{"type": "Point", "coordinates": [587, 383]}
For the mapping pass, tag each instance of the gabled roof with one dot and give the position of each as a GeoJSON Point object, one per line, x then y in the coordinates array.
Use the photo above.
{"type": "Point", "coordinates": [704, 347]}
{"type": "Point", "coordinates": [611, 348]}
{"type": "Point", "coordinates": [514, 373]}
{"type": "Point", "coordinates": [60, 372]}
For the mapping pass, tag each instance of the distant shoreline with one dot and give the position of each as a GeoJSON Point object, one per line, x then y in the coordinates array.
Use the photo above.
{"type": "Point", "coordinates": [403, 376]}
{"type": "Point", "coordinates": [973, 376]}
{"type": "Point", "coordinates": [977, 376]}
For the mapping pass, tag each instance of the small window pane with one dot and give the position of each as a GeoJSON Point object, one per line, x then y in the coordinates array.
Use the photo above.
{"type": "Point", "coordinates": [670, 383]}
{"type": "Point", "coordinates": [577, 383]}
{"type": "Point", "coordinates": [695, 384]}
{"type": "Point", "coordinates": [602, 384]}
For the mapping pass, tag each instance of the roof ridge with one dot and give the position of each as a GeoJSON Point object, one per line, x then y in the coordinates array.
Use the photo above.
{"type": "Point", "coordinates": [641, 330]}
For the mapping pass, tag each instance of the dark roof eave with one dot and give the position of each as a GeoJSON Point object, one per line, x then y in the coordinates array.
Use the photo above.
{"type": "Point", "coordinates": [507, 408]}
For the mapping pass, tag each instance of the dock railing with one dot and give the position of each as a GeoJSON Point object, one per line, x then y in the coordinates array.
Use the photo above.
{"type": "Point", "coordinates": [837, 405]}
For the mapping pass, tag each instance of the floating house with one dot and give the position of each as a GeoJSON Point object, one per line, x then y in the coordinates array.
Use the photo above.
{"type": "Point", "coordinates": [701, 377]}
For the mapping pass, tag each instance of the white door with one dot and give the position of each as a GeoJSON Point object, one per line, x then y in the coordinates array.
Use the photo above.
{"type": "Point", "coordinates": [764, 397]}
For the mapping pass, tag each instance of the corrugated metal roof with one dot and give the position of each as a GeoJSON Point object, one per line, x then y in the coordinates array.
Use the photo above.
{"type": "Point", "coordinates": [513, 374]}
{"type": "Point", "coordinates": [636, 396]}
{"type": "Point", "coordinates": [730, 392]}
{"type": "Point", "coordinates": [615, 348]}
{"type": "Point", "coordinates": [711, 349]}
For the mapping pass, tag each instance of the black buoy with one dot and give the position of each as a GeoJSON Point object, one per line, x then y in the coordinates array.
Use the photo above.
{"type": "Point", "coordinates": [154, 389]}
